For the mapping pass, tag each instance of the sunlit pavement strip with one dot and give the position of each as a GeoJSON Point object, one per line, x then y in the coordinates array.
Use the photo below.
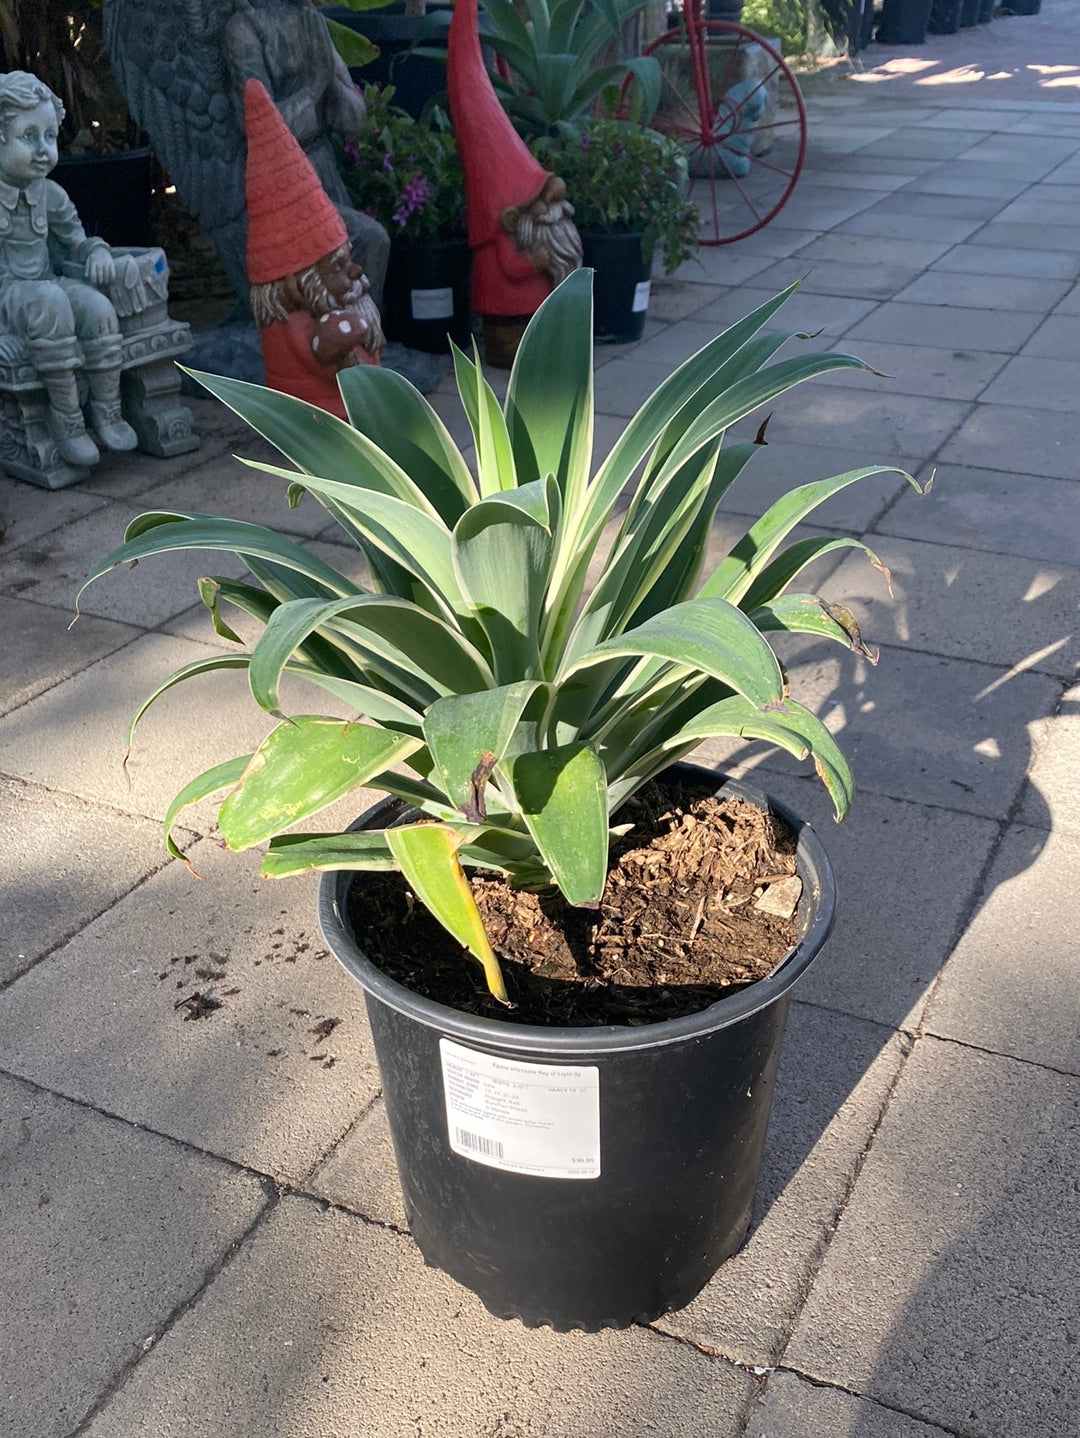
{"type": "Point", "coordinates": [201, 1229]}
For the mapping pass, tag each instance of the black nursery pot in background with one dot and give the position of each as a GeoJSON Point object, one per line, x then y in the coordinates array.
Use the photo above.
{"type": "Point", "coordinates": [582, 1178]}
{"type": "Point", "coordinates": [620, 286]}
{"type": "Point", "coordinates": [111, 193]}
{"type": "Point", "coordinates": [426, 297]}
{"type": "Point", "coordinates": [945, 17]}
{"type": "Point", "coordinates": [904, 22]}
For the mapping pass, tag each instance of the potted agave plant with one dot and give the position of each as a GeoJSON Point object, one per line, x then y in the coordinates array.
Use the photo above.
{"type": "Point", "coordinates": [407, 174]}
{"type": "Point", "coordinates": [629, 187]}
{"type": "Point", "coordinates": [575, 1173]}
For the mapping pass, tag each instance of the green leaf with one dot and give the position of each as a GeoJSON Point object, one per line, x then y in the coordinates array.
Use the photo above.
{"type": "Point", "coordinates": [186, 671]}
{"type": "Point", "coordinates": [494, 457]}
{"type": "Point", "coordinates": [291, 854]}
{"type": "Point", "coordinates": [316, 441]}
{"type": "Point", "coordinates": [502, 556]}
{"type": "Point", "coordinates": [427, 855]}
{"type": "Point", "coordinates": [790, 562]}
{"type": "Point", "coordinates": [809, 614]}
{"type": "Point", "coordinates": [407, 636]}
{"type": "Point", "coordinates": [735, 576]}
{"type": "Point", "coordinates": [792, 726]}
{"type": "Point", "coordinates": [549, 401]}
{"type": "Point", "coordinates": [563, 798]}
{"type": "Point", "coordinates": [302, 765]}
{"type": "Point", "coordinates": [356, 50]}
{"type": "Point", "coordinates": [707, 637]}
{"type": "Point", "coordinates": [412, 538]}
{"type": "Point", "coordinates": [212, 781]}
{"type": "Point", "coordinates": [394, 415]}
{"type": "Point", "coordinates": [165, 531]}
{"type": "Point", "coordinates": [468, 734]}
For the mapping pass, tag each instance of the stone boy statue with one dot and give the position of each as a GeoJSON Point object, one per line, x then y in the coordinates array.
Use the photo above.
{"type": "Point", "coordinates": [67, 325]}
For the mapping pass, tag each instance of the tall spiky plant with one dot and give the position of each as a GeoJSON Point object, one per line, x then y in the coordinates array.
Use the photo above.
{"type": "Point", "coordinates": [515, 709]}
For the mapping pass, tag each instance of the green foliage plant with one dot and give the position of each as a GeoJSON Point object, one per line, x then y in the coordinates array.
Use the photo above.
{"type": "Point", "coordinates": [565, 60]}
{"type": "Point", "coordinates": [511, 706]}
{"type": "Point", "coordinates": [405, 172]}
{"type": "Point", "coordinates": [623, 179]}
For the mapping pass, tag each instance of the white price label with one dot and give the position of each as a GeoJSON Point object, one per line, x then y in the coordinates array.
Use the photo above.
{"type": "Point", "coordinates": [641, 296]}
{"type": "Point", "coordinates": [542, 1119]}
{"type": "Point", "coordinates": [432, 304]}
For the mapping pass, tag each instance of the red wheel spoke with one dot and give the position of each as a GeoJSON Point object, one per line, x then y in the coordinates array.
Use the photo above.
{"type": "Point", "coordinates": [696, 79]}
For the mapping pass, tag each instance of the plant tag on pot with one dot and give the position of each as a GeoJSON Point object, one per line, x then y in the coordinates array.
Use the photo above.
{"type": "Point", "coordinates": [541, 1119]}
{"type": "Point", "coordinates": [432, 304]}
{"type": "Point", "coordinates": [641, 296]}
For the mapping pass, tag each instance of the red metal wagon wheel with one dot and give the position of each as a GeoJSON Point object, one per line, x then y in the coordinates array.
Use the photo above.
{"type": "Point", "coordinates": [732, 100]}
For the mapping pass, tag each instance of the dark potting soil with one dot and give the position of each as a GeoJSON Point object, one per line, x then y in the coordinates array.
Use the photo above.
{"type": "Point", "coordinates": [684, 921]}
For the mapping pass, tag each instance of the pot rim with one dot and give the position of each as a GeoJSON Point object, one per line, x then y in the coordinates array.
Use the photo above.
{"type": "Point", "coordinates": [819, 897]}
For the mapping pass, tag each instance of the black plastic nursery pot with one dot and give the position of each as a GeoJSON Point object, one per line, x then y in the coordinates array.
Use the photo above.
{"type": "Point", "coordinates": [620, 287]}
{"type": "Point", "coordinates": [945, 17]}
{"type": "Point", "coordinates": [904, 22]}
{"type": "Point", "coordinates": [583, 1178]}
{"type": "Point", "coordinates": [426, 296]}
{"type": "Point", "coordinates": [111, 193]}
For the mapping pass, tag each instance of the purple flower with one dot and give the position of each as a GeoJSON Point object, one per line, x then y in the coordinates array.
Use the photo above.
{"type": "Point", "coordinates": [388, 161]}
{"type": "Point", "coordinates": [352, 150]}
{"type": "Point", "coordinates": [416, 194]}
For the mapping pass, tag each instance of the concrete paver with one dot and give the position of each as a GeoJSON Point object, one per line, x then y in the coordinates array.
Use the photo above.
{"type": "Point", "coordinates": [1011, 292]}
{"type": "Point", "coordinates": [1012, 984]}
{"type": "Point", "coordinates": [1012, 437]}
{"type": "Point", "coordinates": [307, 1333]}
{"type": "Point", "coordinates": [793, 1408]}
{"type": "Point", "coordinates": [912, 1230]}
{"type": "Point", "coordinates": [270, 1078]}
{"type": "Point", "coordinates": [959, 1240]}
{"type": "Point", "coordinates": [1001, 610]}
{"type": "Point", "coordinates": [76, 861]}
{"type": "Point", "coordinates": [39, 652]}
{"type": "Point", "coordinates": [1056, 338]}
{"type": "Point", "coordinates": [918, 369]}
{"type": "Point", "coordinates": [1037, 383]}
{"type": "Point", "coordinates": [921, 727]}
{"type": "Point", "coordinates": [51, 569]}
{"type": "Point", "coordinates": [836, 1076]}
{"type": "Point", "coordinates": [989, 509]}
{"type": "Point", "coordinates": [107, 1230]}
{"type": "Point", "coordinates": [1053, 795]}
{"type": "Point", "coordinates": [976, 259]}
{"type": "Point", "coordinates": [953, 327]}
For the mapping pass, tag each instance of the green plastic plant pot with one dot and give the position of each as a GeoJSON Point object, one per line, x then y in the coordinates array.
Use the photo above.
{"type": "Point", "coordinates": [629, 1156]}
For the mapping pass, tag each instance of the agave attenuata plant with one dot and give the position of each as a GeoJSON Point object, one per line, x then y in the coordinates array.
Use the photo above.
{"type": "Point", "coordinates": [513, 708]}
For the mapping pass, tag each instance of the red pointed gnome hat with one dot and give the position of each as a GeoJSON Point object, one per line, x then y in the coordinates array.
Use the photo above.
{"type": "Point", "coordinates": [499, 170]}
{"type": "Point", "coordinates": [292, 223]}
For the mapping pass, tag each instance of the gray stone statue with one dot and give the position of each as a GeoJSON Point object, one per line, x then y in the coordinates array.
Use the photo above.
{"type": "Point", "coordinates": [61, 320]}
{"type": "Point", "coordinates": [182, 65]}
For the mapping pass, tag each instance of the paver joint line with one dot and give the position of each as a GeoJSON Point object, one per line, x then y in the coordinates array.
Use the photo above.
{"type": "Point", "coordinates": [124, 1373]}
{"type": "Point", "coordinates": [816, 1382]}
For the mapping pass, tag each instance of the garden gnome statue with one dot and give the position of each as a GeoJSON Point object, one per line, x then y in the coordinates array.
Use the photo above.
{"type": "Point", "coordinates": [65, 326]}
{"type": "Point", "coordinates": [523, 239]}
{"type": "Point", "coordinates": [183, 66]}
{"type": "Point", "coordinates": [311, 302]}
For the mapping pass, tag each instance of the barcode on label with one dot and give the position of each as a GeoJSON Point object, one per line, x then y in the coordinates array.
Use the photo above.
{"type": "Point", "coordinates": [490, 1147]}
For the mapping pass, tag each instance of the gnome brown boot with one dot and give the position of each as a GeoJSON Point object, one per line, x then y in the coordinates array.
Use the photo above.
{"type": "Point", "coordinates": [109, 424]}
